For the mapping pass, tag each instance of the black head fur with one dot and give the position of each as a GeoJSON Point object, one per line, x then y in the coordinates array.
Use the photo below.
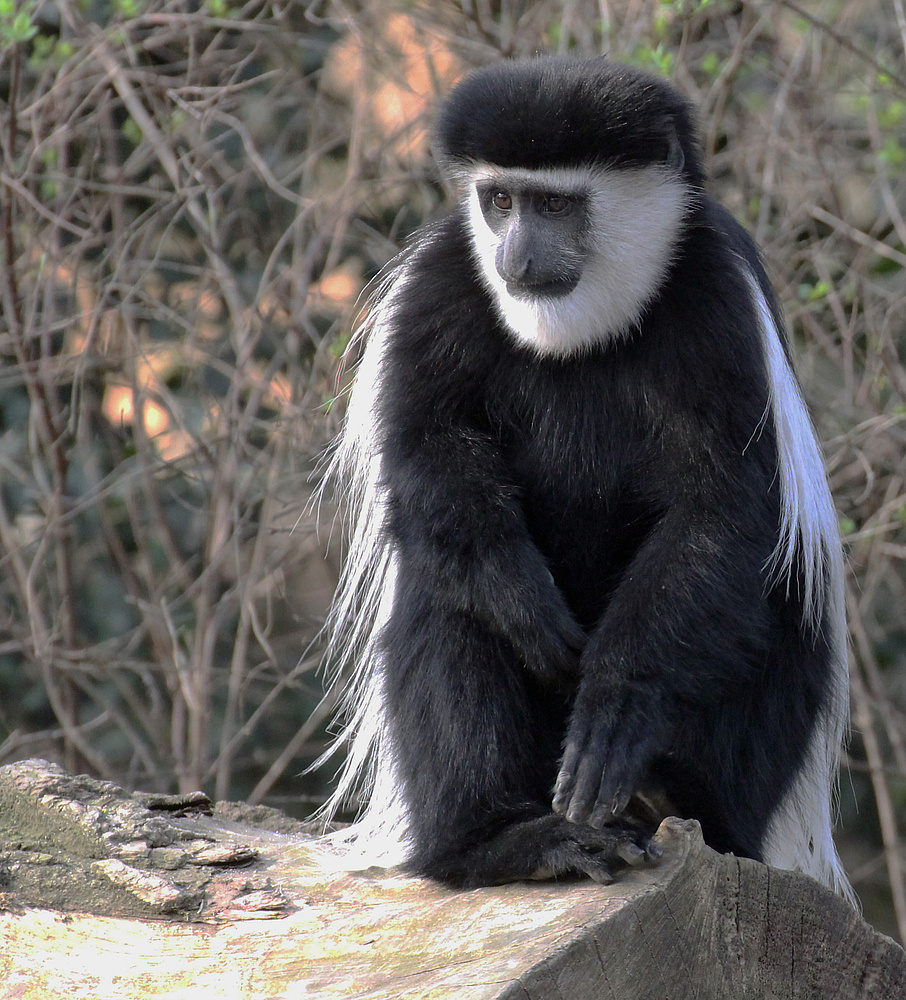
{"type": "Point", "coordinates": [555, 111]}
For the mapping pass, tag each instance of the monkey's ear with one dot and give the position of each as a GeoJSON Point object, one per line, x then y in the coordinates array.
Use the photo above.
{"type": "Point", "coordinates": [676, 158]}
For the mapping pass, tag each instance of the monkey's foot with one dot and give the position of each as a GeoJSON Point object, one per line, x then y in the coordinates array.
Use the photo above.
{"type": "Point", "coordinates": [543, 848]}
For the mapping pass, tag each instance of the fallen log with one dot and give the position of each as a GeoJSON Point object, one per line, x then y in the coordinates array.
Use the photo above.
{"type": "Point", "coordinates": [106, 894]}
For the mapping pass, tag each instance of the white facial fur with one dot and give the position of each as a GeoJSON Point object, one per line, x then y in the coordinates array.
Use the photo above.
{"type": "Point", "coordinates": [635, 218]}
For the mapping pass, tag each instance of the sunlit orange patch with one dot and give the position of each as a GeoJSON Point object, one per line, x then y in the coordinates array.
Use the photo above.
{"type": "Point", "coordinates": [338, 290]}
{"type": "Point", "coordinates": [174, 444]}
{"type": "Point", "coordinates": [400, 105]}
{"type": "Point", "coordinates": [279, 393]}
{"type": "Point", "coordinates": [340, 287]}
{"type": "Point", "coordinates": [423, 66]}
{"type": "Point", "coordinates": [117, 405]}
{"type": "Point", "coordinates": [155, 418]}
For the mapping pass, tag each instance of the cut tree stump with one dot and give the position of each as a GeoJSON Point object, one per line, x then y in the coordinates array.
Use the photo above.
{"type": "Point", "coordinates": [109, 895]}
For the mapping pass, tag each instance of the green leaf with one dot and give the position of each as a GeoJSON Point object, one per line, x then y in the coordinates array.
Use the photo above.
{"type": "Point", "coordinates": [893, 153]}
{"type": "Point", "coordinates": [711, 64]}
{"type": "Point", "coordinates": [131, 131]}
{"type": "Point", "coordinates": [16, 26]}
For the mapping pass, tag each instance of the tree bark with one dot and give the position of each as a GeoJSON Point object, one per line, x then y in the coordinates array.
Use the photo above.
{"type": "Point", "coordinates": [109, 895]}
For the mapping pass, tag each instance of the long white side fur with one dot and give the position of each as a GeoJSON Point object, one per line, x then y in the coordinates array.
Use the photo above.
{"type": "Point", "coordinates": [800, 834]}
{"type": "Point", "coordinates": [361, 607]}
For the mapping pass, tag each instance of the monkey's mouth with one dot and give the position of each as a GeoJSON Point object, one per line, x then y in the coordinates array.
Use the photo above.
{"type": "Point", "coordinates": [542, 290]}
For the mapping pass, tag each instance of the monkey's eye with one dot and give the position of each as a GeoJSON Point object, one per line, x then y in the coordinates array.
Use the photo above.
{"type": "Point", "coordinates": [555, 204]}
{"type": "Point", "coordinates": [502, 201]}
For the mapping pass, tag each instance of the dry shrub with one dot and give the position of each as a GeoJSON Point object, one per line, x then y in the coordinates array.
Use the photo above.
{"type": "Point", "coordinates": [171, 291]}
{"type": "Point", "coordinates": [193, 196]}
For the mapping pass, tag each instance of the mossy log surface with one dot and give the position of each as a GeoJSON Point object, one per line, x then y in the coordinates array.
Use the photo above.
{"type": "Point", "coordinates": [109, 895]}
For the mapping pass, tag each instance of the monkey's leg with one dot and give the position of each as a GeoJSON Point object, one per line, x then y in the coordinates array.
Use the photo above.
{"type": "Point", "coordinates": [476, 741]}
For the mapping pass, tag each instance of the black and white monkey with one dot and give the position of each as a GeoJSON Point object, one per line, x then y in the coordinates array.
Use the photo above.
{"type": "Point", "coordinates": [594, 553]}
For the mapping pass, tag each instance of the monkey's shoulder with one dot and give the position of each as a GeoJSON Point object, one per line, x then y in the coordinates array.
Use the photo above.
{"type": "Point", "coordinates": [440, 320]}
{"type": "Point", "coordinates": [440, 290]}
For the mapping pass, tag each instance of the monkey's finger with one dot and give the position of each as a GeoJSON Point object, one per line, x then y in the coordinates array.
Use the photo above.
{"type": "Point", "coordinates": [653, 852]}
{"type": "Point", "coordinates": [586, 756]}
{"type": "Point", "coordinates": [579, 779]}
{"type": "Point", "coordinates": [629, 751]}
{"type": "Point", "coordinates": [632, 854]}
{"type": "Point", "coordinates": [605, 812]}
{"type": "Point", "coordinates": [588, 780]}
{"type": "Point", "coordinates": [597, 870]}
{"type": "Point", "coordinates": [594, 865]}
{"type": "Point", "coordinates": [566, 778]}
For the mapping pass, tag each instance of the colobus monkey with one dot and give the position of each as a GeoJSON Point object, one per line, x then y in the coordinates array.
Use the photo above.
{"type": "Point", "coordinates": [595, 561]}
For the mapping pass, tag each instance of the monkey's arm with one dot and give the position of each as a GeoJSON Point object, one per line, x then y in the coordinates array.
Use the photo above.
{"type": "Point", "coordinates": [688, 619]}
{"type": "Point", "coordinates": [460, 531]}
{"type": "Point", "coordinates": [455, 520]}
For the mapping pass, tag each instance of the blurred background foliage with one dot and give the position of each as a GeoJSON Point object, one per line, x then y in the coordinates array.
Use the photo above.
{"type": "Point", "coordinates": [193, 195]}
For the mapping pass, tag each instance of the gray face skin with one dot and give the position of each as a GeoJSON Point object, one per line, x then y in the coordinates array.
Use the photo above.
{"type": "Point", "coordinates": [541, 238]}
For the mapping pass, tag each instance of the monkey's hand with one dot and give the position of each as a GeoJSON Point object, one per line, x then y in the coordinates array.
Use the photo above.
{"type": "Point", "coordinates": [535, 618]}
{"type": "Point", "coordinates": [612, 736]}
{"type": "Point", "coordinates": [544, 848]}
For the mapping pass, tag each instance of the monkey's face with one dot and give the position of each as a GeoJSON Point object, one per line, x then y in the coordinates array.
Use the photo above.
{"type": "Point", "coordinates": [542, 240]}
{"type": "Point", "coordinates": [573, 256]}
